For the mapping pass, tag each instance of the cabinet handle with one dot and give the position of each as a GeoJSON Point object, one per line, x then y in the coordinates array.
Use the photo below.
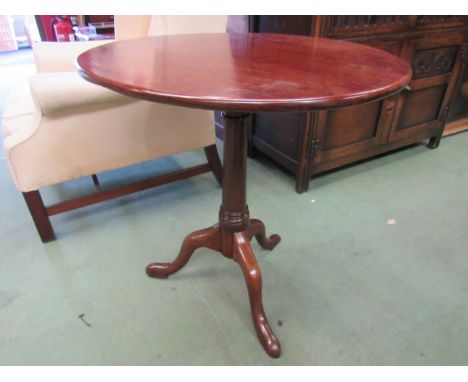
{"type": "Point", "coordinates": [407, 89]}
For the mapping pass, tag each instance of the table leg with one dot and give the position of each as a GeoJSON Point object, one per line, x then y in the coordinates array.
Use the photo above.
{"type": "Point", "coordinates": [235, 229]}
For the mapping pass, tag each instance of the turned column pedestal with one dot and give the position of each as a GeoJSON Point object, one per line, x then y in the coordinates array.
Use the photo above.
{"type": "Point", "coordinates": [232, 234]}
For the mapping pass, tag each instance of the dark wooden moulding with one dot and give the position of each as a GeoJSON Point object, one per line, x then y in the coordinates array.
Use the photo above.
{"type": "Point", "coordinates": [240, 74]}
{"type": "Point", "coordinates": [308, 144]}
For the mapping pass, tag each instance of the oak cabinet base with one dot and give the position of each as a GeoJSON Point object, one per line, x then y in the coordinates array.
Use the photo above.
{"type": "Point", "coordinates": [310, 143]}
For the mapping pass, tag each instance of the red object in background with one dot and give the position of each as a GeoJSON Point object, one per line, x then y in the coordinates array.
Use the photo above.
{"type": "Point", "coordinates": [46, 26]}
{"type": "Point", "coordinates": [62, 29]}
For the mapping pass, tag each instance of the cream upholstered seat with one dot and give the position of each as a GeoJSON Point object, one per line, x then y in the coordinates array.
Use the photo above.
{"type": "Point", "coordinates": [58, 127]}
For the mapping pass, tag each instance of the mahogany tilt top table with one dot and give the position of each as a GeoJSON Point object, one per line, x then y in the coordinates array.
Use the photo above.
{"type": "Point", "coordinates": [239, 74]}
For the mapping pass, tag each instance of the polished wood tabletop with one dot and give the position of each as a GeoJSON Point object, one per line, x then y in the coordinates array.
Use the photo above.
{"type": "Point", "coordinates": [246, 71]}
{"type": "Point", "coordinates": [238, 74]}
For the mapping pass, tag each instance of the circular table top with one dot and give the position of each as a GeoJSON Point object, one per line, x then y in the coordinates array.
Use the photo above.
{"type": "Point", "coordinates": [246, 71]}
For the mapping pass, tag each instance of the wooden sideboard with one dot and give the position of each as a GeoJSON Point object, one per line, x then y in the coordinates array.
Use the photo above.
{"type": "Point", "coordinates": [310, 143]}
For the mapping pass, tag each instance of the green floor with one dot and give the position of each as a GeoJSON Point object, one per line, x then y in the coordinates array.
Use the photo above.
{"type": "Point", "coordinates": [347, 287]}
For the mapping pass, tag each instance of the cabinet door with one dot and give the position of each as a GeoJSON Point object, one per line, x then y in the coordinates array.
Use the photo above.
{"type": "Point", "coordinates": [422, 110]}
{"type": "Point", "coordinates": [356, 132]}
{"type": "Point", "coordinates": [352, 133]}
{"type": "Point", "coordinates": [280, 136]}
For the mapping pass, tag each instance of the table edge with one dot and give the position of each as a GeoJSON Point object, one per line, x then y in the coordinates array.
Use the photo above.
{"type": "Point", "coordinates": [250, 106]}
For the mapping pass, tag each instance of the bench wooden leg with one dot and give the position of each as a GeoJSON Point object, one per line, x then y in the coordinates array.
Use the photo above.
{"type": "Point", "coordinates": [212, 156]}
{"type": "Point", "coordinates": [39, 214]}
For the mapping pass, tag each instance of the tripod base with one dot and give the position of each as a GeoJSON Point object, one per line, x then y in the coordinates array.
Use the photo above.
{"type": "Point", "coordinates": [237, 247]}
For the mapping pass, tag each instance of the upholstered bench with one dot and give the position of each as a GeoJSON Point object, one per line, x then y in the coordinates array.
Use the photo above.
{"type": "Point", "coordinates": [58, 127]}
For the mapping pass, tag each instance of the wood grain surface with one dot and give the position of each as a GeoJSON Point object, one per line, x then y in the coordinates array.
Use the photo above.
{"type": "Point", "coordinates": [245, 72]}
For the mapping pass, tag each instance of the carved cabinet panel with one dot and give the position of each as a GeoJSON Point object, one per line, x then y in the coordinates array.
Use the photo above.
{"type": "Point", "coordinates": [429, 62]}
{"type": "Point", "coordinates": [346, 26]}
{"type": "Point", "coordinates": [439, 21]}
